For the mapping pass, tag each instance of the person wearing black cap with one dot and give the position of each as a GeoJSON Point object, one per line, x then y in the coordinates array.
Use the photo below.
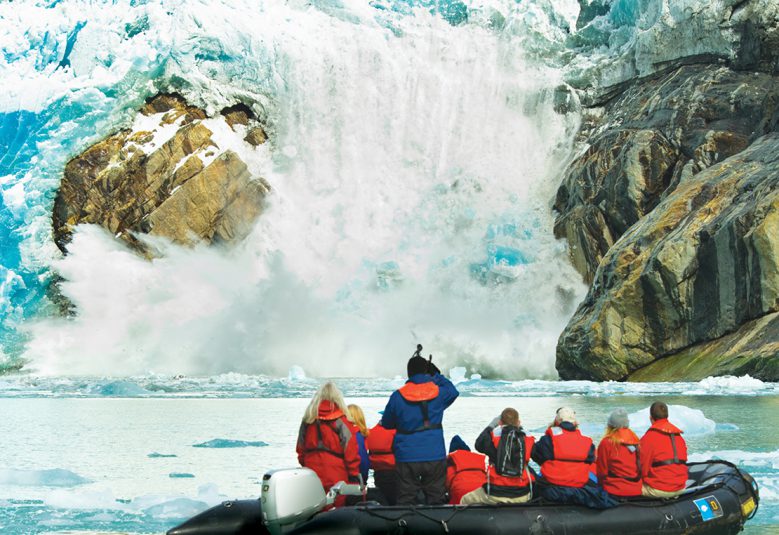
{"type": "Point", "coordinates": [416, 411]}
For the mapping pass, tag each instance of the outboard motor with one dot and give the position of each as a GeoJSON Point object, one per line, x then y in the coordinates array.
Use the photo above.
{"type": "Point", "coordinates": [289, 496]}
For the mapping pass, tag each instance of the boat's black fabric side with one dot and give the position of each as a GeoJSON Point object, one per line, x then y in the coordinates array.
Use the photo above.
{"type": "Point", "coordinates": [643, 518]}
{"type": "Point", "coordinates": [242, 517]}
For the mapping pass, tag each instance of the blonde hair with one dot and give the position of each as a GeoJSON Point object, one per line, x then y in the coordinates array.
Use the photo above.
{"type": "Point", "coordinates": [327, 392]}
{"type": "Point", "coordinates": [611, 434]}
{"type": "Point", "coordinates": [358, 417]}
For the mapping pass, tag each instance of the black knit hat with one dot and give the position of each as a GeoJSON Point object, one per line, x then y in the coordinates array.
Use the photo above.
{"type": "Point", "coordinates": [416, 365]}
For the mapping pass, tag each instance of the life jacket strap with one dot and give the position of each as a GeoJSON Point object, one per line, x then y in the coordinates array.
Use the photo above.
{"type": "Point", "coordinates": [675, 459]}
{"type": "Point", "coordinates": [320, 444]}
{"type": "Point", "coordinates": [638, 469]}
{"type": "Point", "coordinates": [426, 425]}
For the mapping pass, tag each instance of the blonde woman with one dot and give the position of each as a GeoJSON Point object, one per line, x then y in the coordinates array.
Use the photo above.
{"type": "Point", "coordinates": [361, 430]}
{"type": "Point", "coordinates": [327, 443]}
{"type": "Point", "coordinates": [618, 465]}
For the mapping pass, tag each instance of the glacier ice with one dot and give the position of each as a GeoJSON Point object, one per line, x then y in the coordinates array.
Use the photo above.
{"type": "Point", "coordinates": [230, 443]}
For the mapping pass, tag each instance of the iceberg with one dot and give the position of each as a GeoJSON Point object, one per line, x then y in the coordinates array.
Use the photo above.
{"type": "Point", "coordinates": [692, 421]}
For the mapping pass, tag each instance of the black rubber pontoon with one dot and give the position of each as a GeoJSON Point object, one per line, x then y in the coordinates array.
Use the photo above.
{"type": "Point", "coordinates": [721, 499]}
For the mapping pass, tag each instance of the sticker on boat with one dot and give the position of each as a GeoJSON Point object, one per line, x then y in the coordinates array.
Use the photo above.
{"type": "Point", "coordinates": [709, 507]}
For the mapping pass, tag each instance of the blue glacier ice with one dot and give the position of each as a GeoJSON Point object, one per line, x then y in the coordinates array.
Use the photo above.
{"type": "Point", "coordinates": [230, 443]}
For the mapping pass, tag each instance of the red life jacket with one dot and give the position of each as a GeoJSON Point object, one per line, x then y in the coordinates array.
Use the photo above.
{"type": "Point", "coordinates": [379, 443]}
{"type": "Point", "coordinates": [329, 447]}
{"type": "Point", "coordinates": [420, 394]}
{"type": "Point", "coordinates": [569, 468]}
{"type": "Point", "coordinates": [664, 458]}
{"type": "Point", "coordinates": [505, 485]}
{"type": "Point", "coordinates": [465, 472]}
{"type": "Point", "coordinates": [619, 464]}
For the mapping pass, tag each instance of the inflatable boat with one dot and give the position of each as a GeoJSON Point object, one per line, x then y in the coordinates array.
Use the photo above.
{"type": "Point", "coordinates": [719, 499]}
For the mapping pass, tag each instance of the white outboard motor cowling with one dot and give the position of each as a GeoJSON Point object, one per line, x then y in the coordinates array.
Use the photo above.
{"type": "Point", "coordinates": [289, 496]}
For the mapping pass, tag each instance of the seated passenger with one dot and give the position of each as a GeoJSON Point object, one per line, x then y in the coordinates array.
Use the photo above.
{"type": "Point", "coordinates": [361, 433]}
{"type": "Point", "coordinates": [663, 456]}
{"type": "Point", "coordinates": [465, 470]}
{"type": "Point", "coordinates": [326, 443]}
{"type": "Point", "coordinates": [566, 458]}
{"type": "Point", "coordinates": [416, 412]}
{"type": "Point", "coordinates": [618, 466]}
{"type": "Point", "coordinates": [382, 460]}
{"type": "Point", "coordinates": [509, 479]}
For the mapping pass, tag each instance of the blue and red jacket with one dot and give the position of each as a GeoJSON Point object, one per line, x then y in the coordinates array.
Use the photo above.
{"type": "Point", "coordinates": [419, 439]}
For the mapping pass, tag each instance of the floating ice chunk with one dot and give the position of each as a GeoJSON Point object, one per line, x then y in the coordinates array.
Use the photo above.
{"type": "Point", "coordinates": [729, 383]}
{"type": "Point", "coordinates": [228, 443]}
{"type": "Point", "coordinates": [758, 459]}
{"type": "Point", "coordinates": [180, 475]}
{"type": "Point", "coordinates": [296, 373]}
{"type": "Point", "coordinates": [155, 455]}
{"type": "Point", "coordinates": [176, 508]}
{"type": "Point", "coordinates": [56, 477]}
{"type": "Point", "coordinates": [457, 374]}
{"type": "Point", "coordinates": [120, 389]}
{"type": "Point", "coordinates": [692, 421]}
{"type": "Point", "coordinates": [475, 377]}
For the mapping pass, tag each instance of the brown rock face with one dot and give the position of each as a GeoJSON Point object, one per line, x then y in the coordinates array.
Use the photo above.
{"type": "Point", "coordinates": [654, 135]}
{"type": "Point", "coordinates": [130, 183]}
{"type": "Point", "coordinates": [704, 264]}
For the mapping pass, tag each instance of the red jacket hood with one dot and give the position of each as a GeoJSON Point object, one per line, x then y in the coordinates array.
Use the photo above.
{"type": "Point", "coordinates": [329, 411]}
{"type": "Point", "coordinates": [664, 426]}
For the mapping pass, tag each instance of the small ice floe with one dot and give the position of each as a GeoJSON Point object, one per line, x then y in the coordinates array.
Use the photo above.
{"type": "Point", "coordinates": [181, 475]}
{"type": "Point", "coordinates": [155, 455]}
{"type": "Point", "coordinates": [228, 443]}
{"type": "Point", "coordinates": [55, 477]}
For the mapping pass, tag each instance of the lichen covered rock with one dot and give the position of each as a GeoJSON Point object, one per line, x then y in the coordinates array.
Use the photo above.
{"type": "Point", "coordinates": [701, 266]}
{"type": "Point", "coordinates": [167, 176]}
{"type": "Point", "coordinates": [653, 135]}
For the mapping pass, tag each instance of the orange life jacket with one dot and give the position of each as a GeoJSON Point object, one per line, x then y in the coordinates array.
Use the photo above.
{"type": "Point", "coordinates": [465, 472]}
{"type": "Point", "coordinates": [570, 467]}
{"type": "Point", "coordinates": [620, 460]}
{"type": "Point", "coordinates": [379, 443]}
{"type": "Point", "coordinates": [420, 394]}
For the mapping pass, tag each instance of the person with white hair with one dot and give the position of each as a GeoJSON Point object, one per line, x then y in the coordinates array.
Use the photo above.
{"type": "Point", "coordinates": [326, 443]}
{"type": "Point", "coordinates": [567, 458]}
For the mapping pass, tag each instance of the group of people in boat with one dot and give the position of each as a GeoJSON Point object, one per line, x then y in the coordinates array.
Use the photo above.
{"type": "Point", "coordinates": [407, 452]}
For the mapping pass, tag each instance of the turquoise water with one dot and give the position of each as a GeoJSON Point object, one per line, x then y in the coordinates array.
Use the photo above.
{"type": "Point", "coordinates": [133, 465]}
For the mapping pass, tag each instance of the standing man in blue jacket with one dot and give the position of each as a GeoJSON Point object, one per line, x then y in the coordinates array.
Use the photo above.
{"type": "Point", "coordinates": [416, 411]}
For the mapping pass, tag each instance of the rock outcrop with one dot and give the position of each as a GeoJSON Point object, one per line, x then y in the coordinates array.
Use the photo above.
{"type": "Point", "coordinates": [671, 212]}
{"type": "Point", "coordinates": [166, 177]}
{"type": "Point", "coordinates": [702, 265]}
{"type": "Point", "coordinates": [655, 134]}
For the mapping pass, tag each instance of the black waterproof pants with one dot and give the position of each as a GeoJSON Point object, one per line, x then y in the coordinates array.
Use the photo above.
{"type": "Point", "coordinates": [428, 477]}
{"type": "Point", "coordinates": [387, 483]}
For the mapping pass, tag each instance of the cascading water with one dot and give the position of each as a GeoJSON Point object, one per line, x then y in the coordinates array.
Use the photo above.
{"type": "Point", "coordinates": [413, 164]}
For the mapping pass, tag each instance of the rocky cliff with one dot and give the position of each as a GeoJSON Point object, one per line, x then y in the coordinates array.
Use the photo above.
{"type": "Point", "coordinates": [672, 214]}
{"type": "Point", "coordinates": [176, 173]}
